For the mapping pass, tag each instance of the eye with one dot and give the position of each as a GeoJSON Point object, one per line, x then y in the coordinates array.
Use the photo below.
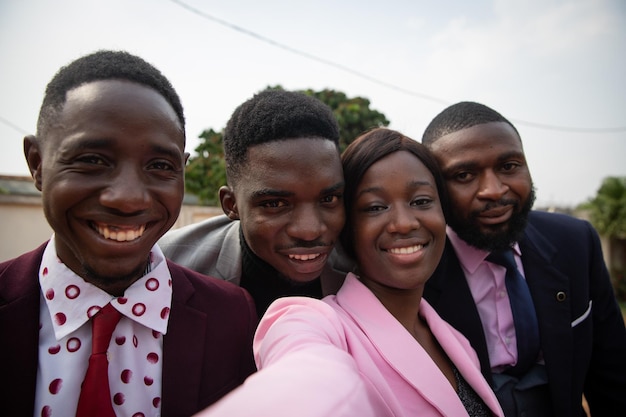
{"type": "Point", "coordinates": [161, 165]}
{"type": "Point", "coordinates": [510, 166]}
{"type": "Point", "coordinates": [332, 199]}
{"type": "Point", "coordinates": [374, 208]}
{"type": "Point", "coordinates": [422, 201]}
{"type": "Point", "coordinates": [463, 176]}
{"type": "Point", "coordinates": [91, 160]}
{"type": "Point", "coordinates": [273, 204]}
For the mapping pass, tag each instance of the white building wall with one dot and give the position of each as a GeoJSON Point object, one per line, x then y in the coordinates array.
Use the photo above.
{"type": "Point", "coordinates": [23, 225]}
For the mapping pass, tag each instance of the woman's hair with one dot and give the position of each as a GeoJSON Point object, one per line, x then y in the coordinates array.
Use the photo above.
{"type": "Point", "coordinates": [366, 150]}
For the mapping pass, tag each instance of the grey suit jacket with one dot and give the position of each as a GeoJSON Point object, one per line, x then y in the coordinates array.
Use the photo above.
{"type": "Point", "coordinates": [212, 247]}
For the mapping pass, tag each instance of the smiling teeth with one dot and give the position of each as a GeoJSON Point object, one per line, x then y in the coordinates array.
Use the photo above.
{"type": "Point", "coordinates": [304, 257]}
{"type": "Point", "coordinates": [406, 251]}
{"type": "Point", "coordinates": [120, 235]}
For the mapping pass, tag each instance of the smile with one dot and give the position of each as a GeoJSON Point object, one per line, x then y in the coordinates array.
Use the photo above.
{"type": "Point", "coordinates": [406, 250]}
{"type": "Point", "coordinates": [305, 257]}
{"type": "Point", "coordinates": [119, 234]}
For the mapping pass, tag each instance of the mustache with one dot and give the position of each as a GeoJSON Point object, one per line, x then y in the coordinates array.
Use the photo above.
{"type": "Point", "coordinates": [494, 204]}
{"type": "Point", "coordinates": [307, 244]}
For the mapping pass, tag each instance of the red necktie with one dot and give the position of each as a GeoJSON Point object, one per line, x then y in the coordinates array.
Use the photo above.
{"type": "Point", "coordinates": [95, 395]}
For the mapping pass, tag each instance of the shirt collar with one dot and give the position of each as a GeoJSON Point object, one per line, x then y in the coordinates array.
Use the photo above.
{"type": "Point", "coordinates": [72, 301]}
{"type": "Point", "coordinates": [469, 256]}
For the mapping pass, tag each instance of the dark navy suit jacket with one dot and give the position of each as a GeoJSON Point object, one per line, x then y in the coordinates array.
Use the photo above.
{"type": "Point", "coordinates": [580, 324]}
{"type": "Point", "coordinates": [207, 350]}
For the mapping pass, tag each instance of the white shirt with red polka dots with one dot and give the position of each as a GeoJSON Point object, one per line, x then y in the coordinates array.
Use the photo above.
{"type": "Point", "coordinates": [136, 349]}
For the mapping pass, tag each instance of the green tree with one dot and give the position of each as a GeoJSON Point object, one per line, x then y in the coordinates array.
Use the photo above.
{"type": "Point", "coordinates": [607, 210]}
{"type": "Point", "coordinates": [607, 213]}
{"type": "Point", "coordinates": [206, 169]}
{"type": "Point", "coordinates": [354, 115]}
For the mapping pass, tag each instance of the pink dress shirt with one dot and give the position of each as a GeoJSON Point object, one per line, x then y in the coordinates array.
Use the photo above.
{"type": "Point", "coordinates": [486, 282]}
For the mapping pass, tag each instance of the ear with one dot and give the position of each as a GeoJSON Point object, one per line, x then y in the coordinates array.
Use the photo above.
{"type": "Point", "coordinates": [229, 203]}
{"type": "Point", "coordinates": [32, 152]}
{"type": "Point", "coordinates": [186, 157]}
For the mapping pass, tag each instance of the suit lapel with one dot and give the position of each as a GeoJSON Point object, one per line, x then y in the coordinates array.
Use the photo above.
{"type": "Point", "coordinates": [554, 317]}
{"type": "Point", "coordinates": [228, 262]}
{"type": "Point", "coordinates": [458, 349]}
{"type": "Point", "coordinates": [183, 350]}
{"type": "Point", "coordinates": [448, 293]}
{"type": "Point", "coordinates": [19, 320]}
{"type": "Point", "coordinates": [398, 348]}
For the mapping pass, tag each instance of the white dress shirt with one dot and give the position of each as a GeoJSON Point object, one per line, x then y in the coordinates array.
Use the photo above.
{"type": "Point", "coordinates": [136, 348]}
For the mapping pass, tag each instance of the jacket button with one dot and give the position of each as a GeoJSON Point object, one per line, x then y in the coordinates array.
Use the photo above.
{"type": "Point", "coordinates": [560, 296]}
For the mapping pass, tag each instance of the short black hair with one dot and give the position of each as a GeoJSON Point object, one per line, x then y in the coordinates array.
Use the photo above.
{"type": "Point", "coordinates": [460, 116]}
{"type": "Point", "coordinates": [274, 115]}
{"type": "Point", "coordinates": [365, 151]}
{"type": "Point", "coordinates": [104, 65]}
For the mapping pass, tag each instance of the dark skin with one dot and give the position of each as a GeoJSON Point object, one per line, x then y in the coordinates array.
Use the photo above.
{"type": "Point", "coordinates": [488, 181]}
{"type": "Point", "coordinates": [111, 173]}
{"type": "Point", "coordinates": [289, 201]}
{"type": "Point", "coordinates": [399, 225]}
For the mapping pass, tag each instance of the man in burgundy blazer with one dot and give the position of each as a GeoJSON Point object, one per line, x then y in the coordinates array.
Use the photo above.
{"type": "Point", "coordinates": [200, 364]}
{"type": "Point", "coordinates": [109, 159]}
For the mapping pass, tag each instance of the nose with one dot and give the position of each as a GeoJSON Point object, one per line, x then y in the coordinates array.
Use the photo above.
{"type": "Point", "coordinates": [306, 224]}
{"type": "Point", "coordinates": [403, 220]}
{"type": "Point", "coordinates": [127, 191]}
{"type": "Point", "coordinates": [491, 186]}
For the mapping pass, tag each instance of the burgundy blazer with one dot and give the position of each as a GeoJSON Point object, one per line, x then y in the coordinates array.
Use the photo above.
{"type": "Point", "coordinates": [207, 350]}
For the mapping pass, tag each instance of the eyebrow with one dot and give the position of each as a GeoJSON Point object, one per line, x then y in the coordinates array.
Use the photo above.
{"type": "Point", "coordinates": [82, 144]}
{"type": "Point", "coordinates": [172, 152]}
{"type": "Point", "coordinates": [461, 166]}
{"type": "Point", "coordinates": [413, 184]}
{"type": "Point", "coordinates": [269, 192]}
{"type": "Point", "coordinates": [334, 188]}
{"type": "Point", "coordinates": [512, 154]}
{"type": "Point", "coordinates": [104, 143]}
{"type": "Point", "coordinates": [473, 165]}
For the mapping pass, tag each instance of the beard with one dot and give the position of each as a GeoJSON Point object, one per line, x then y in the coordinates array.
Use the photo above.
{"type": "Point", "coordinates": [501, 236]}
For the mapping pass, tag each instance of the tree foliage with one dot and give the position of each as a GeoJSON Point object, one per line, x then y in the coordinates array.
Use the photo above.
{"type": "Point", "coordinates": [607, 210]}
{"type": "Point", "coordinates": [354, 115]}
{"type": "Point", "coordinates": [206, 170]}
{"type": "Point", "coordinates": [607, 213]}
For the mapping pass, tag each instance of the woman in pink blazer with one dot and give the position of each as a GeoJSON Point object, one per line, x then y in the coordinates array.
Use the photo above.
{"type": "Point", "coordinates": [376, 348]}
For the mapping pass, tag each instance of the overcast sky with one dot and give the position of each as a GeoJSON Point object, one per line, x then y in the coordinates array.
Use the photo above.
{"type": "Point", "coordinates": [554, 68]}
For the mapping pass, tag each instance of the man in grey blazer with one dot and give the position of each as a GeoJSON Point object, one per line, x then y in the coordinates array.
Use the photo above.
{"type": "Point", "coordinates": [581, 346]}
{"type": "Point", "coordinates": [283, 202]}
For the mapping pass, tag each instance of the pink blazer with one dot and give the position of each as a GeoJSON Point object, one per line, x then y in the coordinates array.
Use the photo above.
{"type": "Point", "coordinates": [347, 355]}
